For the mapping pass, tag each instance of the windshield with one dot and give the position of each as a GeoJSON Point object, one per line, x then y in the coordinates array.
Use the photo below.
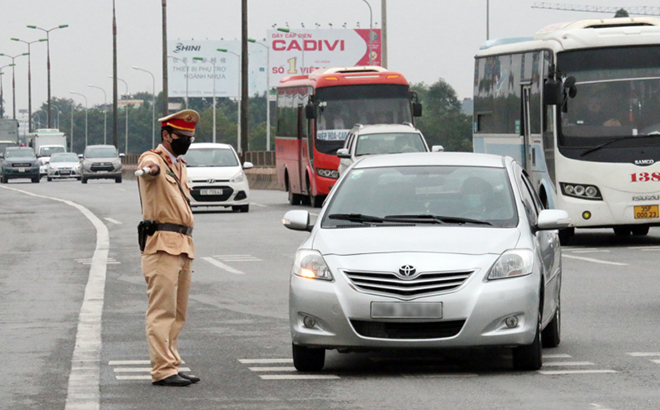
{"type": "Point", "coordinates": [340, 108]}
{"type": "Point", "coordinates": [101, 152]}
{"type": "Point", "coordinates": [393, 143]}
{"type": "Point", "coordinates": [211, 157]}
{"type": "Point", "coordinates": [48, 151]}
{"type": "Point", "coordinates": [27, 154]}
{"type": "Point", "coordinates": [618, 95]}
{"type": "Point", "coordinates": [70, 157]}
{"type": "Point", "coordinates": [420, 193]}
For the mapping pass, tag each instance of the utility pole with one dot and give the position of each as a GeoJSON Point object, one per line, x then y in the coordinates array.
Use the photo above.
{"type": "Point", "coordinates": [383, 33]}
{"type": "Point", "coordinates": [244, 78]}
{"type": "Point", "coordinates": [115, 114]}
{"type": "Point", "coordinates": [165, 90]}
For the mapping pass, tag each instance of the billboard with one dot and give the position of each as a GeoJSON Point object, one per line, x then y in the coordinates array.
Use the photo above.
{"type": "Point", "coordinates": [221, 66]}
{"type": "Point", "coordinates": [303, 51]}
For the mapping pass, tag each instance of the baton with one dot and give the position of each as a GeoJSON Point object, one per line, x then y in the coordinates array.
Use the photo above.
{"type": "Point", "coordinates": [142, 171]}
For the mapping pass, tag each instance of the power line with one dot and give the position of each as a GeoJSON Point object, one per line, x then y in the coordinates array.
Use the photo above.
{"type": "Point", "coordinates": [636, 10]}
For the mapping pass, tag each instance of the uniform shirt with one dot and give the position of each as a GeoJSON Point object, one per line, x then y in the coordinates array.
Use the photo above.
{"type": "Point", "coordinates": [163, 202]}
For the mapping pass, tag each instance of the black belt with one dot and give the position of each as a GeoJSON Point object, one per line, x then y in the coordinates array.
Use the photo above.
{"type": "Point", "coordinates": [186, 230]}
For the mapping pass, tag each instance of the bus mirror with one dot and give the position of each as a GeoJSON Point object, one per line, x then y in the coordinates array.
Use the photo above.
{"type": "Point", "coordinates": [553, 92]}
{"type": "Point", "coordinates": [417, 109]}
{"type": "Point", "coordinates": [310, 111]}
{"type": "Point", "coordinates": [569, 84]}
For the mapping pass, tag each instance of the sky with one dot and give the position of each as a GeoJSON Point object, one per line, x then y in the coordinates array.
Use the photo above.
{"type": "Point", "coordinates": [427, 39]}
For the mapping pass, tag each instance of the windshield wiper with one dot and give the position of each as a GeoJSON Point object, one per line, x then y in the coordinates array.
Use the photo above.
{"type": "Point", "coordinates": [435, 219]}
{"type": "Point", "coordinates": [597, 147]}
{"type": "Point", "coordinates": [356, 218]}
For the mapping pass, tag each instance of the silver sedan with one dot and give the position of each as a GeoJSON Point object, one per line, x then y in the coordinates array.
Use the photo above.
{"type": "Point", "coordinates": [428, 250]}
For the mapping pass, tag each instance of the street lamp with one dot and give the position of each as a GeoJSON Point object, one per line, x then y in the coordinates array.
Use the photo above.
{"type": "Point", "coordinates": [187, 71]}
{"type": "Point", "coordinates": [2, 97]}
{"type": "Point", "coordinates": [105, 112]}
{"type": "Point", "coordinates": [36, 114]}
{"type": "Point", "coordinates": [125, 108]}
{"type": "Point", "coordinates": [153, 107]}
{"type": "Point", "coordinates": [238, 99]}
{"type": "Point", "coordinates": [29, 78]}
{"type": "Point", "coordinates": [48, 58]}
{"type": "Point", "coordinates": [267, 90]}
{"type": "Point", "coordinates": [212, 61]}
{"type": "Point", "coordinates": [286, 30]}
{"type": "Point", "coordinates": [13, 80]}
{"type": "Point", "coordinates": [83, 96]}
{"type": "Point", "coordinates": [371, 33]}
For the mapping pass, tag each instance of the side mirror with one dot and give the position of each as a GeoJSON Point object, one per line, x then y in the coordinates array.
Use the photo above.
{"type": "Point", "coordinates": [343, 153]}
{"type": "Point", "coordinates": [80, 156]}
{"type": "Point", "coordinates": [553, 92]}
{"type": "Point", "coordinates": [437, 148]}
{"type": "Point", "coordinates": [122, 155]}
{"type": "Point", "coordinates": [248, 165]}
{"type": "Point", "coordinates": [297, 220]}
{"type": "Point", "coordinates": [417, 109]}
{"type": "Point", "coordinates": [550, 219]}
{"type": "Point", "coordinates": [310, 111]}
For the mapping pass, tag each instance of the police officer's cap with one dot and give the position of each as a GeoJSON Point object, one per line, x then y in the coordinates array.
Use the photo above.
{"type": "Point", "coordinates": [183, 122]}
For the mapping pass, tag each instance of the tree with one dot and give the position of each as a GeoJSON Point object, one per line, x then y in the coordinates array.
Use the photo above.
{"type": "Point", "coordinates": [621, 13]}
{"type": "Point", "coordinates": [442, 122]}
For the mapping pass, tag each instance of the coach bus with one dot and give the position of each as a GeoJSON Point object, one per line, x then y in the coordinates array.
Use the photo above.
{"type": "Point", "coordinates": [578, 105]}
{"type": "Point", "coordinates": [316, 111]}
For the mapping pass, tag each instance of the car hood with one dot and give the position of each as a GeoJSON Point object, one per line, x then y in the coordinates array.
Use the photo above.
{"type": "Point", "coordinates": [64, 164]}
{"type": "Point", "coordinates": [115, 159]}
{"type": "Point", "coordinates": [420, 238]}
{"type": "Point", "coordinates": [204, 173]}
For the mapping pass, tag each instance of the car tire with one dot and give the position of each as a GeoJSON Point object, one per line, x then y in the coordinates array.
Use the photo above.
{"type": "Point", "coordinates": [294, 199]}
{"type": "Point", "coordinates": [83, 180]}
{"type": "Point", "coordinates": [551, 335]}
{"type": "Point", "coordinates": [49, 179]}
{"type": "Point", "coordinates": [565, 235]}
{"type": "Point", "coordinates": [640, 230]}
{"type": "Point", "coordinates": [36, 180]}
{"type": "Point", "coordinates": [307, 359]}
{"type": "Point", "coordinates": [3, 179]}
{"type": "Point", "coordinates": [530, 357]}
{"type": "Point", "coordinates": [118, 180]}
{"type": "Point", "coordinates": [245, 208]}
{"type": "Point", "coordinates": [78, 178]}
{"type": "Point", "coordinates": [622, 231]}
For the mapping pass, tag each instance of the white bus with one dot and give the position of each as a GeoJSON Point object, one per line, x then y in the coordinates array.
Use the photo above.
{"type": "Point", "coordinates": [579, 106]}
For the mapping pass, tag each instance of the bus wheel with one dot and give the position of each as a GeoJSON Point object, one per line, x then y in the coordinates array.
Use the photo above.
{"type": "Point", "coordinates": [294, 199]}
{"type": "Point", "coordinates": [565, 235]}
{"type": "Point", "coordinates": [312, 200]}
{"type": "Point", "coordinates": [640, 230]}
{"type": "Point", "coordinates": [622, 231]}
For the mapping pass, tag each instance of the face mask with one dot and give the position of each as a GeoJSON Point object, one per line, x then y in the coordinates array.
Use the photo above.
{"type": "Point", "coordinates": [180, 146]}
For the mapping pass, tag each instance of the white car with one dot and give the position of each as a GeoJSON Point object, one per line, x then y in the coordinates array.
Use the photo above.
{"type": "Point", "coordinates": [63, 165]}
{"type": "Point", "coordinates": [428, 251]}
{"type": "Point", "coordinates": [377, 139]}
{"type": "Point", "coordinates": [216, 177]}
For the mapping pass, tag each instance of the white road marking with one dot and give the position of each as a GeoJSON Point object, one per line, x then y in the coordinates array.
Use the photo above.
{"type": "Point", "coordinates": [114, 221]}
{"type": "Point", "coordinates": [273, 369]}
{"type": "Point", "coordinates": [299, 376]}
{"type": "Point", "coordinates": [237, 258]}
{"type": "Point", "coordinates": [142, 369]}
{"type": "Point", "coordinates": [109, 261]}
{"type": "Point", "coordinates": [643, 354]}
{"type": "Point", "coordinates": [555, 372]}
{"type": "Point", "coordinates": [133, 377]}
{"type": "Point", "coordinates": [656, 361]}
{"type": "Point", "coordinates": [590, 251]}
{"type": "Point", "coordinates": [441, 375]}
{"type": "Point", "coordinates": [127, 362]}
{"type": "Point", "coordinates": [551, 364]}
{"type": "Point", "coordinates": [83, 390]}
{"type": "Point", "coordinates": [557, 356]}
{"type": "Point", "coordinates": [223, 266]}
{"type": "Point", "coordinates": [593, 260]}
{"type": "Point", "coordinates": [259, 205]}
{"type": "Point", "coordinates": [265, 361]}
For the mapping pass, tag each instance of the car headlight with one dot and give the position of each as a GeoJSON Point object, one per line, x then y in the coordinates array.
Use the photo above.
{"type": "Point", "coordinates": [238, 178]}
{"type": "Point", "coordinates": [512, 263]}
{"type": "Point", "coordinates": [310, 264]}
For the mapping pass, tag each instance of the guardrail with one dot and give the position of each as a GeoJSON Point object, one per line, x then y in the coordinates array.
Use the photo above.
{"type": "Point", "coordinates": [257, 158]}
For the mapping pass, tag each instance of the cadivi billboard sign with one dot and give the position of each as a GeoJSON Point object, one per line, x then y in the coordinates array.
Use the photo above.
{"type": "Point", "coordinates": [303, 51]}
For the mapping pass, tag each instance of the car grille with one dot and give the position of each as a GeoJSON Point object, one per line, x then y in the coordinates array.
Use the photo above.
{"type": "Point", "coordinates": [21, 164]}
{"type": "Point", "coordinates": [426, 283]}
{"type": "Point", "coordinates": [408, 330]}
{"type": "Point", "coordinates": [226, 193]}
{"type": "Point", "coordinates": [102, 166]}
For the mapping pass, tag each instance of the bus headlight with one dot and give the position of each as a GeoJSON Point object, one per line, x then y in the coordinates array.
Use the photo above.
{"type": "Point", "coordinates": [328, 173]}
{"type": "Point", "coordinates": [581, 191]}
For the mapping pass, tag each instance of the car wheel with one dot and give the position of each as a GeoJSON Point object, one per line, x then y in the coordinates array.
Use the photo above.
{"type": "Point", "coordinates": [78, 178]}
{"type": "Point", "coordinates": [3, 179]}
{"type": "Point", "coordinates": [622, 231]}
{"type": "Point", "coordinates": [83, 180]}
{"type": "Point", "coordinates": [245, 208]}
{"type": "Point", "coordinates": [118, 180]}
{"type": "Point", "coordinates": [640, 230]}
{"type": "Point", "coordinates": [551, 335]}
{"type": "Point", "coordinates": [49, 179]}
{"type": "Point", "coordinates": [530, 357]}
{"type": "Point", "coordinates": [307, 359]}
{"type": "Point", "coordinates": [565, 235]}
{"type": "Point", "coordinates": [36, 180]}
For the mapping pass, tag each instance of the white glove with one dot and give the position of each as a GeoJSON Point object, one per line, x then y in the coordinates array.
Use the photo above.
{"type": "Point", "coordinates": [142, 171]}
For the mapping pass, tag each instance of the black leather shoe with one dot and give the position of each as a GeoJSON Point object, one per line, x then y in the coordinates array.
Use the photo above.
{"type": "Point", "coordinates": [174, 380]}
{"type": "Point", "coordinates": [192, 378]}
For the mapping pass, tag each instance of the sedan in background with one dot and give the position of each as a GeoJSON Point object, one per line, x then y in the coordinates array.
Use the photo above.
{"type": "Point", "coordinates": [101, 162]}
{"type": "Point", "coordinates": [216, 177]}
{"type": "Point", "coordinates": [63, 165]}
{"type": "Point", "coordinates": [428, 251]}
{"type": "Point", "coordinates": [19, 162]}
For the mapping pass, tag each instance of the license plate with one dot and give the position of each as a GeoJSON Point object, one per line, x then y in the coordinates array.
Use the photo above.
{"type": "Point", "coordinates": [403, 310]}
{"type": "Point", "coordinates": [21, 170]}
{"type": "Point", "coordinates": [646, 212]}
{"type": "Point", "coordinates": [210, 191]}
{"type": "Point", "coordinates": [65, 172]}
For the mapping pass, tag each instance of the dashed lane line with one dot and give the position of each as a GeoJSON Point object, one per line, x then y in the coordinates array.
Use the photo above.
{"type": "Point", "coordinates": [593, 260]}
{"type": "Point", "coordinates": [272, 369]}
{"type": "Point", "coordinates": [222, 266]}
{"type": "Point", "coordinates": [284, 368]}
{"type": "Point", "coordinates": [265, 361]}
{"type": "Point", "coordinates": [557, 364]}
{"type": "Point", "coordinates": [142, 369]}
{"type": "Point", "coordinates": [558, 372]}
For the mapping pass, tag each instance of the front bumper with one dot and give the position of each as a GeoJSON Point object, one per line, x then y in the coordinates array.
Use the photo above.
{"type": "Point", "coordinates": [28, 172]}
{"type": "Point", "coordinates": [220, 194]}
{"type": "Point", "coordinates": [63, 173]}
{"type": "Point", "coordinates": [473, 315]}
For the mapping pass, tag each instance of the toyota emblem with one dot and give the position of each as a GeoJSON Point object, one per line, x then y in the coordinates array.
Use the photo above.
{"type": "Point", "coordinates": [407, 270]}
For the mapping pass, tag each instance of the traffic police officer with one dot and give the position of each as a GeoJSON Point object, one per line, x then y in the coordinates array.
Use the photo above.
{"type": "Point", "coordinates": [169, 251]}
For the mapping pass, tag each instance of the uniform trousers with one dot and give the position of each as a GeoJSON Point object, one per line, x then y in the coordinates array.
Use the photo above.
{"type": "Point", "coordinates": [168, 284]}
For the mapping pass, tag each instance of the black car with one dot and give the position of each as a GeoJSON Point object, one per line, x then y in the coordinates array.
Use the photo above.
{"type": "Point", "coordinates": [19, 162]}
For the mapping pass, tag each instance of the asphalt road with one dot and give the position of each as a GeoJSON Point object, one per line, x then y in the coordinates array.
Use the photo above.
{"type": "Point", "coordinates": [72, 303]}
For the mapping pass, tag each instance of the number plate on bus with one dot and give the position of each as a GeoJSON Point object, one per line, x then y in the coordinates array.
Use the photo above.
{"type": "Point", "coordinates": [210, 191]}
{"type": "Point", "coordinates": [393, 310]}
{"type": "Point", "coordinates": [646, 211]}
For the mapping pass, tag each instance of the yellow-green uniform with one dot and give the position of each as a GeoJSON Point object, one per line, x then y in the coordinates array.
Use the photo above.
{"type": "Point", "coordinates": [166, 259]}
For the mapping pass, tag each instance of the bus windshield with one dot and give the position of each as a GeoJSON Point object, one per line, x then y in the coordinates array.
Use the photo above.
{"type": "Point", "coordinates": [618, 95]}
{"type": "Point", "coordinates": [341, 107]}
